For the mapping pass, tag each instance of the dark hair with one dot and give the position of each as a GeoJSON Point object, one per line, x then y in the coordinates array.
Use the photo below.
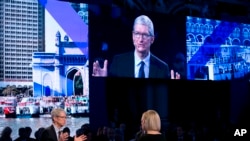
{"type": "Point", "coordinates": [85, 129]}
{"type": "Point", "coordinates": [66, 129]}
{"type": "Point", "coordinates": [6, 133]}
{"type": "Point", "coordinates": [28, 130]}
{"type": "Point", "coordinates": [85, 126]}
{"type": "Point", "coordinates": [39, 132]}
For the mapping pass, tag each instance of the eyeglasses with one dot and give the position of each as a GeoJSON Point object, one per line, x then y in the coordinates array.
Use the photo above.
{"type": "Point", "coordinates": [143, 35]}
{"type": "Point", "coordinates": [62, 117]}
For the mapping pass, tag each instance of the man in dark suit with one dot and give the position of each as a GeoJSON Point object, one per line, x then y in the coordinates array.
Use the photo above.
{"type": "Point", "coordinates": [158, 68]}
{"type": "Point", "coordinates": [131, 64]}
{"type": "Point", "coordinates": [135, 99]}
{"type": "Point", "coordinates": [53, 132]}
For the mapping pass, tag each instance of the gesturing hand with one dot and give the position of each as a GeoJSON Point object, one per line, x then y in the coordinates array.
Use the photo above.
{"type": "Point", "coordinates": [80, 138]}
{"type": "Point", "coordinates": [175, 75]}
{"type": "Point", "coordinates": [63, 136]}
{"type": "Point", "coordinates": [98, 71]}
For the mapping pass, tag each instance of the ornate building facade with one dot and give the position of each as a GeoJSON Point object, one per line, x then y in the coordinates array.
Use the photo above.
{"type": "Point", "coordinates": [54, 73]}
{"type": "Point", "coordinates": [216, 49]}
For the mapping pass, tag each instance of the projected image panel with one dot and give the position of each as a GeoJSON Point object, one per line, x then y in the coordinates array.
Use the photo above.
{"type": "Point", "coordinates": [116, 38]}
{"type": "Point", "coordinates": [216, 49]}
{"type": "Point", "coordinates": [60, 73]}
{"type": "Point", "coordinates": [43, 62]}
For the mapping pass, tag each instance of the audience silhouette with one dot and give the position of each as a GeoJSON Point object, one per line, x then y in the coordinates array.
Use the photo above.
{"type": "Point", "coordinates": [6, 134]}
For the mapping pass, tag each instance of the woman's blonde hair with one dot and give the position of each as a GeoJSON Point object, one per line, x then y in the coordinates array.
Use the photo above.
{"type": "Point", "coordinates": [151, 120]}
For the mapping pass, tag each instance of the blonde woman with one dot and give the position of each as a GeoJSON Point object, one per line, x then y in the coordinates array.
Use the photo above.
{"type": "Point", "coordinates": [151, 125]}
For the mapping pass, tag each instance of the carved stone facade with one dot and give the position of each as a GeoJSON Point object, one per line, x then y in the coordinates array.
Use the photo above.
{"type": "Point", "coordinates": [54, 73]}
{"type": "Point", "coordinates": [217, 50]}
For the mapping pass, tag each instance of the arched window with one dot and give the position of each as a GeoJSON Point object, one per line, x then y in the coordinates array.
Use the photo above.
{"type": "Point", "coordinates": [245, 33]}
{"type": "Point", "coordinates": [211, 29]}
{"type": "Point", "coordinates": [192, 27]}
{"type": "Point", "coordinates": [202, 28]}
{"type": "Point", "coordinates": [246, 43]}
{"type": "Point", "coordinates": [206, 29]}
{"type": "Point", "coordinates": [236, 33]}
{"type": "Point", "coordinates": [190, 38]}
{"type": "Point", "coordinates": [188, 26]}
{"type": "Point", "coordinates": [199, 38]}
{"type": "Point", "coordinates": [235, 42]}
{"type": "Point", "coordinates": [197, 28]}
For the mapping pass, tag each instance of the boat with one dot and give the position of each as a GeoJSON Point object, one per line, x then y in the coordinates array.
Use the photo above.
{"type": "Point", "coordinates": [2, 99]}
{"type": "Point", "coordinates": [28, 107]}
{"type": "Point", "coordinates": [82, 110]}
{"type": "Point", "coordinates": [47, 104]}
{"type": "Point", "coordinates": [77, 106]}
{"type": "Point", "coordinates": [10, 107]}
{"type": "Point", "coordinates": [70, 106]}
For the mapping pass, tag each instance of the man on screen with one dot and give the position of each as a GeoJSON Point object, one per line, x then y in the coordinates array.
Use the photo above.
{"type": "Point", "coordinates": [140, 62]}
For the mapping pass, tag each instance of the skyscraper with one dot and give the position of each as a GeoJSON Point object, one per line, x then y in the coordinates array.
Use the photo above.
{"type": "Point", "coordinates": [21, 34]}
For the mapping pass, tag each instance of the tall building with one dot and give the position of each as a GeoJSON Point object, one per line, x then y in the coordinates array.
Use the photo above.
{"type": "Point", "coordinates": [21, 34]}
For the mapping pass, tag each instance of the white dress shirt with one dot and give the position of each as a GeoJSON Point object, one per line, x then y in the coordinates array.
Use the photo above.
{"type": "Point", "coordinates": [137, 65]}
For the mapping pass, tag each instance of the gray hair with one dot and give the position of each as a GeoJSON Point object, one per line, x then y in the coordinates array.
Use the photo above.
{"type": "Point", "coordinates": [145, 20]}
{"type": "Point", "coordinates": [56, 112]}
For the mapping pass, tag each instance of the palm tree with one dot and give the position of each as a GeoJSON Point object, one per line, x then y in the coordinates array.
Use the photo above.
{"type": "Point", "coordinates": [10, 91]}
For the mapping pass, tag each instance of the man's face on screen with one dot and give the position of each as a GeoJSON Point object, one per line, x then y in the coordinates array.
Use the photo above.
{"type": "Point", "coordinates": [142, 39]}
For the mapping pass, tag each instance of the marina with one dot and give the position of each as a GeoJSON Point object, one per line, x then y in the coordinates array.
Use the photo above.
{"type": "Point", "coordinates": [34, 107]}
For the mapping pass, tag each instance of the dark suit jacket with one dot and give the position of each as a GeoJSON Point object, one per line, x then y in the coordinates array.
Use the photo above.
{"type": "Point", "coordinates": [49, 134]}
{"type": "Point", "coordinates": [123, 66]}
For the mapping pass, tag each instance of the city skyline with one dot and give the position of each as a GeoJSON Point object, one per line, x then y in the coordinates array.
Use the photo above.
{"type": "Point", "coordinates": [32, 29]}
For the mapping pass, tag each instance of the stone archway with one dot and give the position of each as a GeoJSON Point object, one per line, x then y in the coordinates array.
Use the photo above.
{"type": "Point", "coordinates": [74, 82]}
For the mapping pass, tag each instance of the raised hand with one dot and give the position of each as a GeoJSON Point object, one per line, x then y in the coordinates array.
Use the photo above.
{"type": "Point", "coordinates": [80, 138]}
{"type": "Point", "coordinates": [63, 136]}
{"type": "Point", "coordinates": [98, 71]}
{"type": "Point", "coordinates": [175, 75]}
